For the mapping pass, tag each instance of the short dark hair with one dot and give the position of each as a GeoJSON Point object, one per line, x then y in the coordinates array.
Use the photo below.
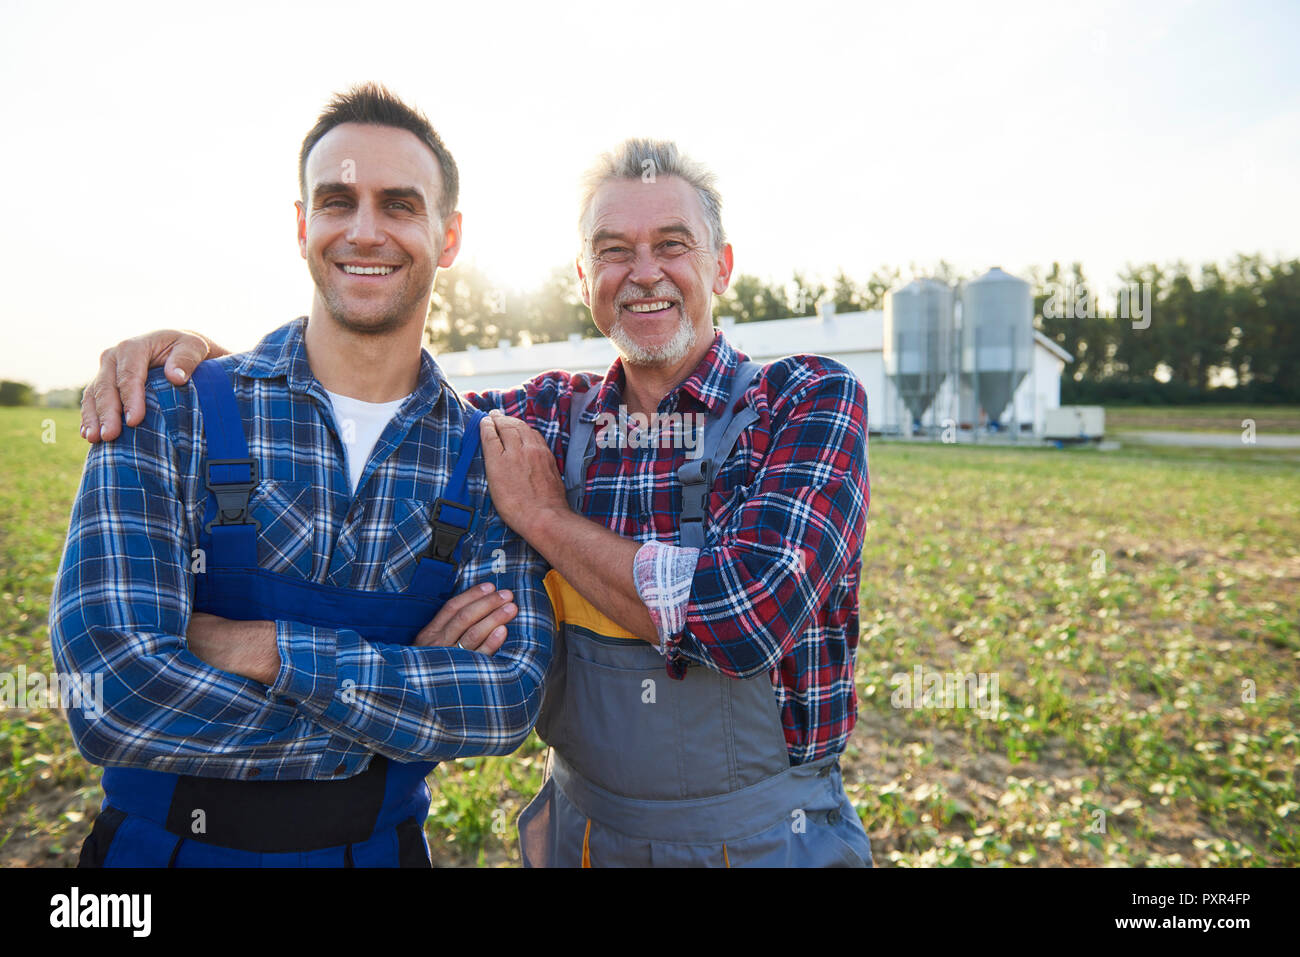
{"type": "Point", "coordinates": [376, 105]}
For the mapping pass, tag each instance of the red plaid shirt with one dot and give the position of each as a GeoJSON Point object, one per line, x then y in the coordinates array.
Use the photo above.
{"type": "Point", "coordinates": [776, 588]}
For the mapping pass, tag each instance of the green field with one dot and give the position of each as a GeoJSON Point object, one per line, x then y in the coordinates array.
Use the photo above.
{"type": "Point", "coordinates": [1268, 419]}
{"type": "Point", "coordinates": [1138, 609]}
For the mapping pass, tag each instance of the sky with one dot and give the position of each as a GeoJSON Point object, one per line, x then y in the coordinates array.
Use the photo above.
{"type": "Point", "coordinates": [150, 150]}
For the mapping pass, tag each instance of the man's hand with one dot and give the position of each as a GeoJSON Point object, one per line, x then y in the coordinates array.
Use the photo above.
{"type": "Point", "coordinates": [245, 648]}
{"type": "Point", "coordinates": [529, 494]}
{"type": "Point", "coordinates": [522, 478]}
{"type": "Point", "coordinates": [122, 372]}
{"type": "Point", "coordinates": [475, 620]}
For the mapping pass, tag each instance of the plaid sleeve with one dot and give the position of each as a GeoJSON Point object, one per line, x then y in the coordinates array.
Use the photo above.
{"type": "Point", "coordinates": [432, 704]}
{"type": "Point", "coordinates": [119, 612]}
{"type": "Point", "coordinates": [799, 529]}
{"type": "Point", "coordinates": [663, 574]}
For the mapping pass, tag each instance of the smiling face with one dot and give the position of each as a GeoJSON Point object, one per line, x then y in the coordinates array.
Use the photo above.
{"type": "Point", "coordinates": [369, 227]}
{"type": "Point", "coordinates": [649, 271]}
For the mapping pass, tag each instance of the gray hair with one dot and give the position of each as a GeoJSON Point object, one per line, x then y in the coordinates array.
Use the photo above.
{"type": "Point", "coordinates": [645, 159]}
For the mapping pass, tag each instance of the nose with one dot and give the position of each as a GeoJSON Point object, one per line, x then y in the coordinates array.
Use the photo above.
{"type": "Point", "coordinates": [364, 230]}
{"type": "Point", "coordinates": [646, 270]}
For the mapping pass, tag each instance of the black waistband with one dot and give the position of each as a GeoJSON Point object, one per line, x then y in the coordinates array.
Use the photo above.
{"type": "Point", "coordinates": [279, 816]}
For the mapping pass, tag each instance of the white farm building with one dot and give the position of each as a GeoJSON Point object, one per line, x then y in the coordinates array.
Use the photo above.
{"type": "Point", "coordinates": [855, 339]}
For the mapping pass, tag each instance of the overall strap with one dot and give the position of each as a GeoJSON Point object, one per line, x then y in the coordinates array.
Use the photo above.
{"type": "Point", "coordinates": [581, 446]}
{"type": "Point", "coordinates": [720, 437]}
{"type": "Point", "coordinates": [230, 473]}
{"type": "Point", "coordinates": [452, 512]}
{"type": "Point", "coordinates": [452, 517]}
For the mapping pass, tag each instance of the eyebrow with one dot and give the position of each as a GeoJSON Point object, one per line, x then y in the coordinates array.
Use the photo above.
{"type": "Point", "coordinates": [392, 192]}
{"type": "Point", "coordinates": [677, 229]}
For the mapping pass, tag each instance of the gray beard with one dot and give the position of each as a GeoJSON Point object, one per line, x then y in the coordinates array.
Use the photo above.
{"type": "Point", "coordinates": [670, 353]}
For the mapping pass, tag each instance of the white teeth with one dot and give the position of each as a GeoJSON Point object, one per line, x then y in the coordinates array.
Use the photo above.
{"type": "Point", "coordinates": [649, 306]}
{"type": "Point", "coordinates": [369, 270]}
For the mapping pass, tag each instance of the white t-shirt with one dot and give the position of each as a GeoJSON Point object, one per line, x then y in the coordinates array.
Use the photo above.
{"type": "Point", "coordinates": [360, 425]}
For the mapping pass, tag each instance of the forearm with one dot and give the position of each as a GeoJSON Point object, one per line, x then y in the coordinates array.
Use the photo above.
{"type": "Point", "coordinates": [596, 562]}
{"type": "Point", "coordinates": [431, 703]}
{"type": "Point", "coordinates": [413, 703]}
{"type": "Point", "coordinates": [163, 708]}
{"type": "Point", "coordinates": [119, 615]}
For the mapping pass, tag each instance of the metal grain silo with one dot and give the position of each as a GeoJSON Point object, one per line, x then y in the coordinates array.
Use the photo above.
{"type": "Point", "coordinates": [918, 341]}
{"type": "Point", "coordinates": [997, 338]}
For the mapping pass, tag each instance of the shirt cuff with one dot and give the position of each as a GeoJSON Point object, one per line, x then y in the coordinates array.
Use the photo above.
{"type": "Point", "coordinates": [308, 665]}
{"type": "Point", "coordinates": [663, 575]}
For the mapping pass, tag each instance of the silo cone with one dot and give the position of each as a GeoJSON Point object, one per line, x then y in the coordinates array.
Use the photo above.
{"type": "Point", "coordinates": [997, 339]}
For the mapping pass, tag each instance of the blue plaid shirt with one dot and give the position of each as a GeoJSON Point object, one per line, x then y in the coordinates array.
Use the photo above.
{"type": "Point", "coordinates": [123, 596]}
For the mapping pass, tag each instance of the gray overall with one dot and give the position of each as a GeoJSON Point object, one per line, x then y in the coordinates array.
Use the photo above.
{"type": "Point", "coordinates": [647, 771]}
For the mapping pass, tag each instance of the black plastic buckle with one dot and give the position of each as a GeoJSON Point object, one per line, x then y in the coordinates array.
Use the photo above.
{"type": "Point", "coordinates": [446, 536]}
{"type": "Point", "coordinates": [232, 497]}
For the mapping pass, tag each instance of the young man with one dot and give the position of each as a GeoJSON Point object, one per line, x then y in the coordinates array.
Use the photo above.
{"type": "Point", "coordinates": [262, 567]}
{"type": "Point", "coordinates": [707, 591]}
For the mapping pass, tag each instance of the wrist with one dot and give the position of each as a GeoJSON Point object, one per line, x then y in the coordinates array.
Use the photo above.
{"type": "Point", "coordinates": [263, 662]}
{"type": "Point", "coordinates": [547, 526]}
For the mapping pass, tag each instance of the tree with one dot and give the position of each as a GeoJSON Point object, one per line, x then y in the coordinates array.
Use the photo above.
{"type": "Point", "coordinates": [882, 280]}
{"type": "Point", "coordinates": [555, 310]}
{"type": "Point", "coordinates": [1066, 311]}
{"type": "Point", "coordinates": [16, 393]}
{"type": "Point", "coordinates": [749, 299]}
{"type": "Point", "coordinates": [468, 309]}
{"type": "Point", "coordinates": [847, 294]}
{"type": "Point", "coordinates": [803, 295]}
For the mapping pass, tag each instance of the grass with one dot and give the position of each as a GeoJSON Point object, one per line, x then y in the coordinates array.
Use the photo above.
{"type": "Point", "coordinates": [1139, 609]}
{"type": "Point", "coordinates": [1140, 612]}
{"type": "Point", "coordinates": [1270, 419]}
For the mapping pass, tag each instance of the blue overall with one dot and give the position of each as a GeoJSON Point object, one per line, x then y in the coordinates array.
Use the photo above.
{"type": "Point", "coordinates": [374, 818]}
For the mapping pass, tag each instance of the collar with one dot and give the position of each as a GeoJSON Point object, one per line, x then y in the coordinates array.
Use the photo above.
{"type": "Point", "coordinates": [283, 355]}
{"type": "Point", "coordinates": [709, 385]}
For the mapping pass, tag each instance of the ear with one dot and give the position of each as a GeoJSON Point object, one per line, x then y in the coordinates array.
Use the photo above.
{"type": "Point", "coordinates": [450, 240]}
{"type": "Point", "coordinates": [582, 280]}
{"type": "Point", "coordinates": [726, 263]}
{"type": "Point", "coordinates": [302, 227]}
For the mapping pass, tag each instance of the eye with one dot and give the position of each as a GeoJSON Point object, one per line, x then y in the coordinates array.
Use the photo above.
{"type": "Point", "coordinates": [673, 246]}
{"type": "Point", "coordinates": [337, 202]}
{"type": "Point", "coordinates": [404, 206]}
{"type": "Point", "coordinates": [613, 252]}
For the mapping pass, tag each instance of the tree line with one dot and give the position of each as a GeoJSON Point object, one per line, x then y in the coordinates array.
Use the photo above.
{"type": "Point", "coordinates": [1218, 333]}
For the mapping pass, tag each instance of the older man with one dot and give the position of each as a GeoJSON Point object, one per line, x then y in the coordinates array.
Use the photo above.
{"type": "Point", "coordinates": [708, 589]}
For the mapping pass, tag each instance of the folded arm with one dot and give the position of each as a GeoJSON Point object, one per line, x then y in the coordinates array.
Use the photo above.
{"type": "Point", "coordinates": [121, 610]}
{"type": "Point", "coordinates": [738, 605]}
{"type": "Point", "coordinates": [431, 703]}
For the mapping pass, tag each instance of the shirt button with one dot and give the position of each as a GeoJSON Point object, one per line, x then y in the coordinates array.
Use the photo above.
{"type": "Point", "coordinates": [340, 769]}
